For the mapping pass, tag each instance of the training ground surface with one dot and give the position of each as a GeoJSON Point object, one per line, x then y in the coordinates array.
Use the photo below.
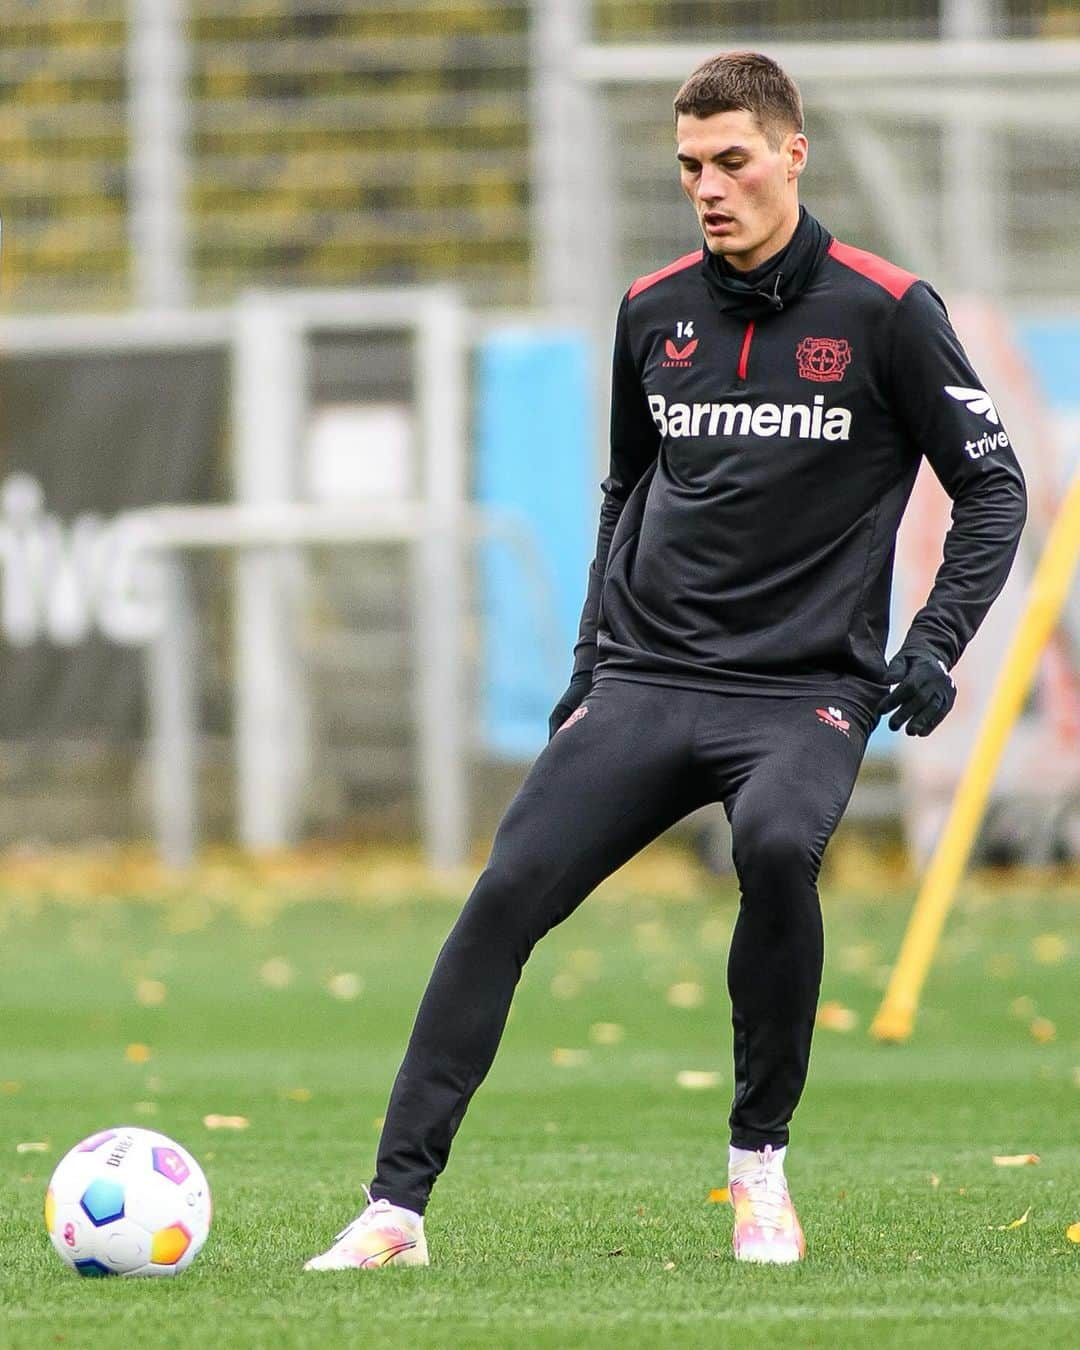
{"type": "Point", "coordinates": [576, 1208]}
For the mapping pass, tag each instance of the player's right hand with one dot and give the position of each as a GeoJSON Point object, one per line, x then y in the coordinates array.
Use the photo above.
{"type": "Point", "coordinates": [575, 694]}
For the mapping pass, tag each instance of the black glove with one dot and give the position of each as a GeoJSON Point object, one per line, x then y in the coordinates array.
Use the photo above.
{"type": "Point", "coordinates": [575, 694]}
{"type": "Point", "coordinates": [923, 693]}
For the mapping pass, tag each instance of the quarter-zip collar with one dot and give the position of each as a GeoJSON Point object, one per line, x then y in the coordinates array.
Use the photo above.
{"type": "Point", "coordinates": [775, 283]}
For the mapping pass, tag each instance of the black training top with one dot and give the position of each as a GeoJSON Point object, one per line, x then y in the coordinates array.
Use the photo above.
{"type": "Point", "coordinates": [766, 429]}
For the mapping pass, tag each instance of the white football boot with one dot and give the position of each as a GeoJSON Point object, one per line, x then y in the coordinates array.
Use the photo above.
{"type": "Point", "coordinates": [767, 1229]}
{"type": "Point", "coordinates": [382, 1235]}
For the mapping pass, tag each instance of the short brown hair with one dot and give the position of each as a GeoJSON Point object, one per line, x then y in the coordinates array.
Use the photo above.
{"type": "Point", "coordinates": [748, 82]}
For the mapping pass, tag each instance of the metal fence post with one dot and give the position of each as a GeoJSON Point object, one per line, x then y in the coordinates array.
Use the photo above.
{"type": "Point", "coordinates": [557, 117]}
{"type": "Point", "coordinates": [173, 713]}
{"type": "Point", "coordinates": [971, 188]}
{"type": "Point", "coordinates": [441, 607]}
{"type": "Point", "coordinates": [158, 63]}
{"type": "Point", "coordinates": [269, 391]}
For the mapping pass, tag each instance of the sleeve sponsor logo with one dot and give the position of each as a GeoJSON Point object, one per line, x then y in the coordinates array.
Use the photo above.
{"type": "Point", "coordinates": [977, 401]}
{"type": "Point", "coordinates": [823, 359]}
{"type": "Point", "coordinates": [991, 440]}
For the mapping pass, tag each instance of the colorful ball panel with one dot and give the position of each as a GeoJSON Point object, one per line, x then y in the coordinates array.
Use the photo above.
{"type": "Point", "coordinates": [92, 1267]}
{"type": "Point", "coordinates": [190, 1255]}
{"type": "Point", "coordinates": [169, 1245]}
{"type": "Point", "coordinates": [103, 1201]}
{"type": "Point", "coordinates": [95, 1141]}
{"type": "Point", "coordinates": [171, 1165]}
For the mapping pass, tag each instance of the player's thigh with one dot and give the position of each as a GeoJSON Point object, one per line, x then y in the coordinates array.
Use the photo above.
{"type": "Point", "coordinates": [801, 772]}
{"type": "Point", "coordinates": [606, 784]}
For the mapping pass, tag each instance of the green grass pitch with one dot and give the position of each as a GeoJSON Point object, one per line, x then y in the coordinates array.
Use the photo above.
{"type": "Point", "coordinates": [576, 1209]}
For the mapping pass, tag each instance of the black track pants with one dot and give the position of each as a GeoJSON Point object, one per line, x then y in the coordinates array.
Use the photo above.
{"type": "Point", "coordinates": [640, 758]}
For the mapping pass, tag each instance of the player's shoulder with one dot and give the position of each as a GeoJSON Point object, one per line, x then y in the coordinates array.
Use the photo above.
{"type": "Point", "coordinates": [672, 273]}
{"type": "Point", "coordinates": [885, 277]}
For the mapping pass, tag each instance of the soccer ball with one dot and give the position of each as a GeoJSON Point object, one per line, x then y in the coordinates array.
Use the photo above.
{"type": "Point", "coordinates": [128, 1202]}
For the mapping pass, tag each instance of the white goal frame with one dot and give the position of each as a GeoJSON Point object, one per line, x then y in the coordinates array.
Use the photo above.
{"type": "Point", "coordinates": [266, 334]}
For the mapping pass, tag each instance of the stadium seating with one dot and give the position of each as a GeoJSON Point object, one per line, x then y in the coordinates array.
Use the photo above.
{"type": "Point", "coordinates": [63, 141]}
{"type": "Point", "coordinates": [331, 141]}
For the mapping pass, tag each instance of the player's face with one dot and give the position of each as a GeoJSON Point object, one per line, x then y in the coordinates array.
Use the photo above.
{"type": "Point", "coordinates": [744, 191]}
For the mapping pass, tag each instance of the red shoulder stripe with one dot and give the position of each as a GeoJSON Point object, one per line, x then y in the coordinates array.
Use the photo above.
{"type": "Point", "coordinates": [679, 265]}
{"type": "Point", "coordinates": [887, 275]}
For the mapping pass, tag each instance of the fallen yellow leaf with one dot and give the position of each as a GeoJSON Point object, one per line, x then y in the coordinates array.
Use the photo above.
{"type": "Point", "coordinates": [299, 1094]}
{"type": "Point", "coordinates": [833, 1016]}
{"type": "Point", "coordinates": [686, 994]}
{"type": "Point", "coordinates": [1073, 1232]}
{"type": "Point", "coordinates": [606, 1033]}
{"type": "Point", "coordinates": [137, 1053]}
{"type": "Point", "coordinates": [33, 1146]}
{"type": "Point", "coordinates": [146, 1108]}
{"type": "Point", "coordinates": [1022, 1006]}
{"type": "Point", "coordinates": [150, 993]}
{"type": "Point", "coordinates": [1015, 1159]}
{"type": "Point", "coordinates": [568, 1059]}
{"type": "Point", "coordinates": [1016, 1223]}
{"type": "Point", "coordinates": [695, 1079]}
{"type": "Point", "coordinates": [565, 985]}
{"type": "Point", "coordinates": [345, 986]}
{"type": "Point", "coordinates": [1042, 1030]}
{"type": "Point", "coordinates": [11, 1087]}
{"type": "Point", "coordinates": [718, 1195]}
{"type": "Point", "coordinates": [935, 1180]}
{"type": "Point", "coordinates": [1050, 948]}
{"type": "Point", "coordinates": [216, 1122]}
{"type": "Point", "coordinates": [276, 972]}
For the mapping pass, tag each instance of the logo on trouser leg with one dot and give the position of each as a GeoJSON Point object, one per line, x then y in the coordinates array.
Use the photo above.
{"type": "Point", "coordinates": [575, 716]}
{"type": "Point", "coordinates": [834, 717]}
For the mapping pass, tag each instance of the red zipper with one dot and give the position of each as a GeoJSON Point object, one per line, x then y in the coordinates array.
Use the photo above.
{"type": "Point", "coordinates": [744, 355]}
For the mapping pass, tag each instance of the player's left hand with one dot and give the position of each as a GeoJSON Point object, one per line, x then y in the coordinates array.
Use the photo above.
{"type": "Point", "coordinates": [922, 693]}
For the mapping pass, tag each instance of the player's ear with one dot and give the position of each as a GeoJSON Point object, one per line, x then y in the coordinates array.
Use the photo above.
{"type": "Point", "coordinates": [798, 148]}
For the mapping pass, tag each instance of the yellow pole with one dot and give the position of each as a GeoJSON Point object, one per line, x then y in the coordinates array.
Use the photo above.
{"type": "Point", "coordinates": [1046, 598]}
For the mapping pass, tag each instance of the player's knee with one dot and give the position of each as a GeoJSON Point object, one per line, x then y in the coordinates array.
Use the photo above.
{"type": "Point", "coordinates": [773, 850]}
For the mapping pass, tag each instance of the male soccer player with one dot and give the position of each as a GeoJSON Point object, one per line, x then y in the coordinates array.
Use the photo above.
{"type": "Point", "coordinates": [773, 394]}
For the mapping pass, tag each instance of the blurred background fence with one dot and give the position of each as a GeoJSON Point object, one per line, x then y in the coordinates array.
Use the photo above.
{"type": "Point", "coordinates": [165, 158]}
{"type": "Point", "coordinates": [175, 151]}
